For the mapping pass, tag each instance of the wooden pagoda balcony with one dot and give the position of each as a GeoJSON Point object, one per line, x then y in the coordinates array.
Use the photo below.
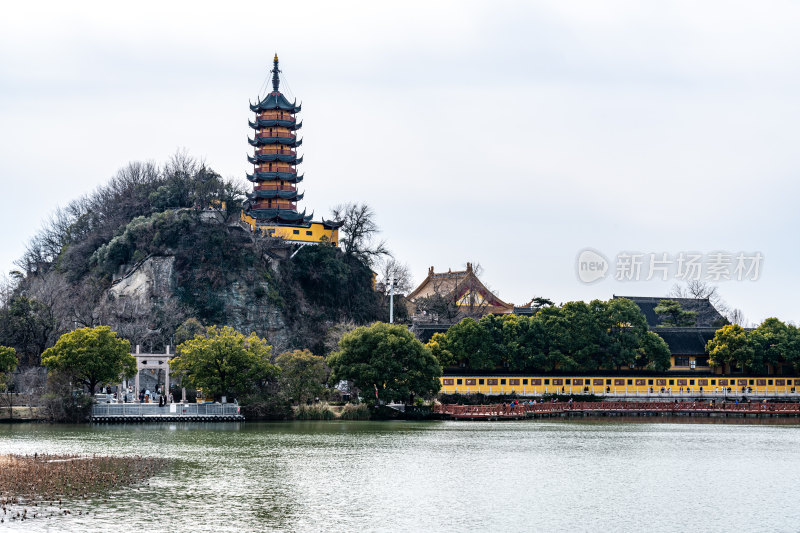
{"type": "Point", "coordinates": [271, 151]}
{"type": "Point", "coordinates": [273, 204]}
{"type": "Point", "coordinates": [270, 133]}
{"type": "Point", "coordinates": [266, 187]}
{"type": "Point", "coordinates": [275, 115]}
{"type": "Point", "coordinates": [282, 170]}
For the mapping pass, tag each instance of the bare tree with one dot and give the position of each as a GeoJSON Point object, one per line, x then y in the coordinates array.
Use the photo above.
{"type": "Point", "coordinates": [358, 231]}
{"type": "Point", "coordinates": [699, 289]}
{"type": "Point", "coordinates": [7, 286]}
{"type": "Point", "coordinates": [335, 333]}
{"type": "Point", "coordinates": [388, 268]}
{"type": "Point", "coordinates": [736, 316]}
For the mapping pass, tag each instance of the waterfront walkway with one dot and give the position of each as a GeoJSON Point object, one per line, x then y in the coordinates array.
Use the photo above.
{"type": "Point", "coordinates": [525, 410]}
{"type": "Point", "coordinates": [183, 412]}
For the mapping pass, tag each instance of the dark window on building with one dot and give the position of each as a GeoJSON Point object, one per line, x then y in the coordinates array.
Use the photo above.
{"type": "Point", "coordinates": [701, 360]}
{"type": "Point", "coordinates": [681, 360]}
{"type": "Point", "coordinates": [502, 382]}
{"type": "Point", "coordinates": [459, 381]}
{"type": "Point", "coordinates": [480, 382]}
{"type": "Point", "coordinates": [524, 381]}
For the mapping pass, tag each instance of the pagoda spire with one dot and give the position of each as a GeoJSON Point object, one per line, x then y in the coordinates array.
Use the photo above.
{"type": "Point", "coordinates": [275, 71]}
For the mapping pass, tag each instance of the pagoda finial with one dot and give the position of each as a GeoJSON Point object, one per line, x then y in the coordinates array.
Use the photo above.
{"type": "Point", "coordinates": [275, 79]}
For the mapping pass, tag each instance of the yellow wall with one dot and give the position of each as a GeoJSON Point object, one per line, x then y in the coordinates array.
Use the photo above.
{"type": "Point", "coordinates": [592, 384]}
{"type": "Point", "coordinates": [318, 232]}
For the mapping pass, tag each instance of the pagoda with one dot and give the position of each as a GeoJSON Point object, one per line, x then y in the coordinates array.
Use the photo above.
{"type": "Point", "coordinates": [272, 206]}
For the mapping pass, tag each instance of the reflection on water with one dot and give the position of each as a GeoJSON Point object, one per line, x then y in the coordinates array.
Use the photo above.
{"type": "Point", "coordinates": [588, 475]}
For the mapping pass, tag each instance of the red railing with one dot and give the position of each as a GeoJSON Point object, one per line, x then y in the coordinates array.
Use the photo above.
{"type": "Point", "coordinates": [526, 409]}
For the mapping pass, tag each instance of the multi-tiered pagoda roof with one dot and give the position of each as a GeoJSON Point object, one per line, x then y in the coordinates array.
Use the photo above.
{"type": "Point", "coordinates": [275, 142]}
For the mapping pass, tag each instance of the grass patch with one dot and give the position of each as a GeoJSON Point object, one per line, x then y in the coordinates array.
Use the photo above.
{"type": "Point", "coordinates": [355, 412]}
{"type": "Point", "coordinates": [47, 483]}
{"type": "Point", "coordinates": [314, 412]}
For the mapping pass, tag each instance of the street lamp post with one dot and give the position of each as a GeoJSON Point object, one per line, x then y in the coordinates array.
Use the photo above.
{"type": "Point", "coordinates": [391, 299]}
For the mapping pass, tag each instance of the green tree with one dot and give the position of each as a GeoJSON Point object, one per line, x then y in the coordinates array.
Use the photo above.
{"type": "Point", "coordinates": [540, 302]}
{"type": "Point", "coordinates": [627, 340]}
{"type": "Point", "coordinates": [790, 346]}
{"type": "Point", "coordinates": [189, 329]}
{"type": "Point", "coordinates": [653, 353]}
{"type": "Point", "coordinates": [8, 363]}
{"type": "Point", "coordinates": [27, 325]}
{"type": "Point", "coordinates": [389, 357]}
{"type": "Point", "coordinates": [469, 341]}
{"type": "Point", "coordinates": [769, 341]}
{"type": "Point", "coordinates": [338, 285]}
{"type": "Point", "coordinates": [438, 347]}
{"type": "Point", "coordinates": [672, 314]}
{"type": "Point", "coordinates": [733, 346]}
{"type": "Point", "coordinates": [92, 356]}
{"type": "Point", "coordinates": [302, 374]}
{"type": "Point", "coordinates": [224, 362]}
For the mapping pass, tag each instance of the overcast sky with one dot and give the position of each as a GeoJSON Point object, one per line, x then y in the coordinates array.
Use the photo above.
{"type": "Point", "coordinates": [510, 134]}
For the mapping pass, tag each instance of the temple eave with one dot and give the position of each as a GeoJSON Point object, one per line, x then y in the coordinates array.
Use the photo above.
{"type": "Point", "coordinates": [272, 176]}
{"type": "Point", "coordinates": [267, 158]}
{"type": "Point", "coordinates": [278, 215]}
{"type": "Point", "coordinates": [292, 196]}
{"type": "Point", "coordinates": [268, 141]}
{"type": "Point", "coordinates": [288, 124]}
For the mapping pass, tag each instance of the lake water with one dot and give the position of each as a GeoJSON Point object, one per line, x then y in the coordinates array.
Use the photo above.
{"type": "Point", "coordinates": [618, 475]}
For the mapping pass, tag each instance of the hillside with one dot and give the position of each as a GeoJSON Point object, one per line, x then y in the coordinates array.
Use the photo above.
{"type": "Point", "coordinates": [158, 246]}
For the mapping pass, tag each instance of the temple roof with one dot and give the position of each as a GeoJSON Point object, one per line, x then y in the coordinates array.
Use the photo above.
{"type": "Point", "coordinates": [285, 195]}
{"type": "Point", "coordinates": [285, 141]}
{"type": "Point", "coordinates": [279, 215]}
{"type": "Point", "coordinates": [275, 100]}
{"type": "Point", "coordinates": [272, 176]}
{"type": "Point", "coordinates": [332, 224]}
{"type": "Point", "coordinates": [285, 158]}
{"type": "Point", "coordinates": [289, 124]}
{"type": "Point", "coordinates": [464, 287]}
{"type": "Point", "coordinates": [686, 341]}
{"type": "Point", "coordinates": [707, 314]}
